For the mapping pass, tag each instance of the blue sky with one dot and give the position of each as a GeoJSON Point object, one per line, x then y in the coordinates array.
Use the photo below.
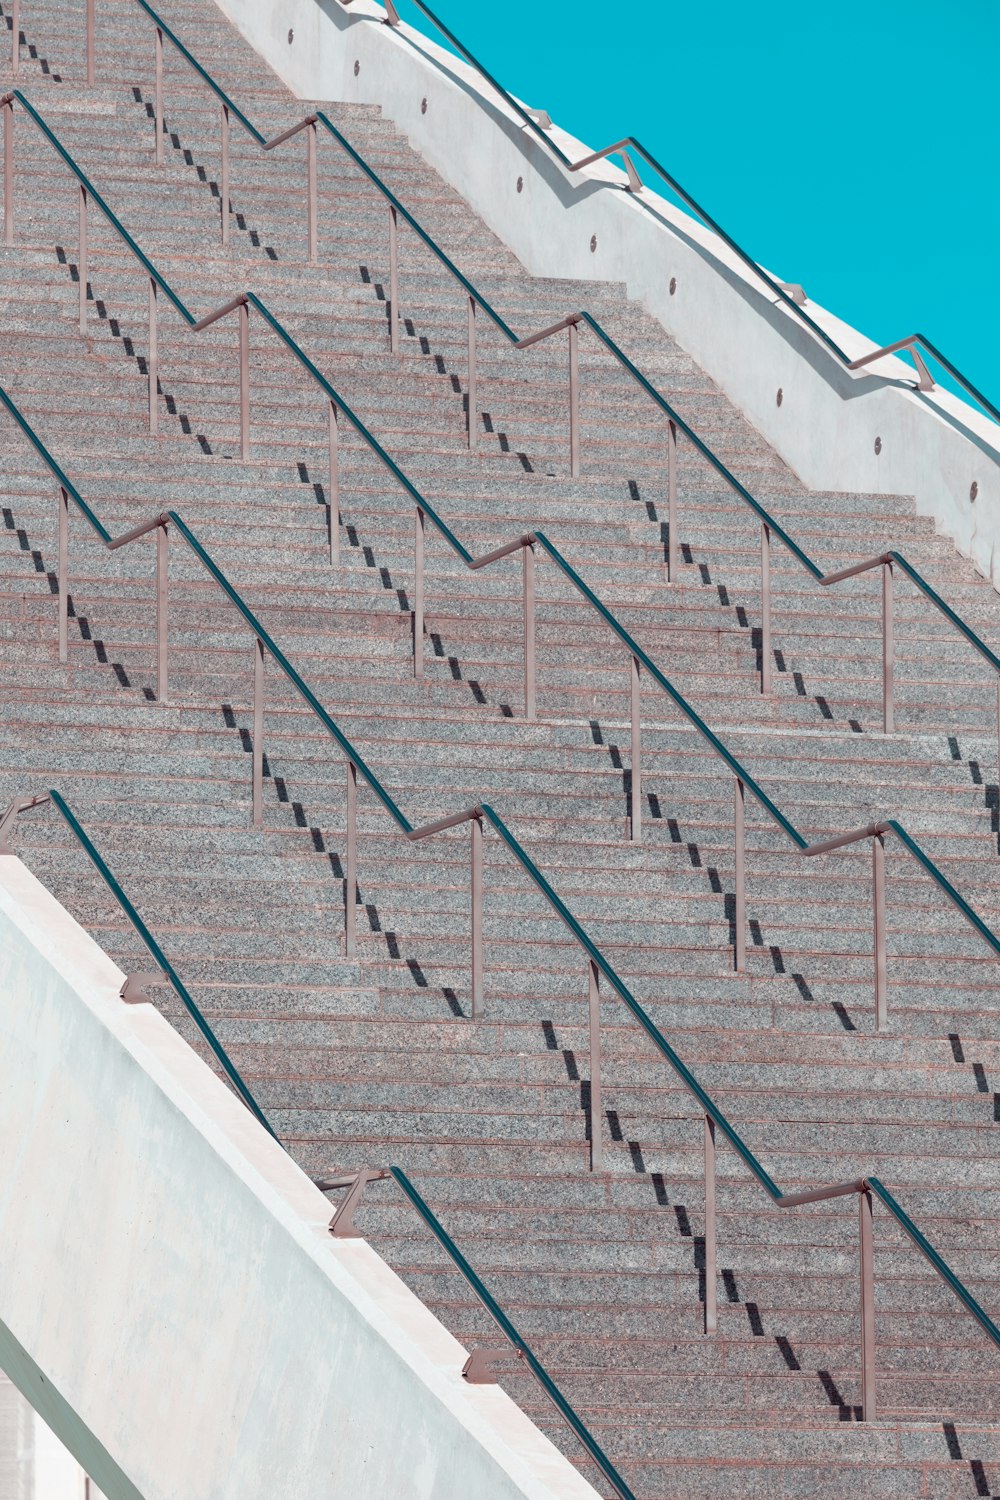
{"type": "Point", "coordinates": [852, 147]}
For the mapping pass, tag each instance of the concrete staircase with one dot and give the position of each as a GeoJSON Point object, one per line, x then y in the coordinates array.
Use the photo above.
{"type": "Point", "coordinates": [374, 1060]}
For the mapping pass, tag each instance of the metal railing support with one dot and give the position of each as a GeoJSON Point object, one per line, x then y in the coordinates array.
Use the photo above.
{"type": "Point", "coordinates": [574, 401]}
{"type": "Point", "coordinates": [418, 593]}
{"type": "Point", "coordinates": [596, 1111]}
{"type": "Point", "coordinates": [82, 258]}
{"type": "Point", "coordinates": [224, 186]}
{"type": "Point", "coordinates": [867, 1259]}
{"type": "Point", "coordinates": [393, 281]}
{"type": "Point", "coordinates": [473, 412]}
{"type": "Point", "coordinates": [334, 484]}
{"type": "Point", "coordinates": [158, 114]}
{"type": "Point", "coordinates": [154, 362]}
{"type": "Point", "coordinates": [342, 1224]}
{"type": "Point", "coordinates": [765, 608]}
{"type": "Point", "coordinates": [244, 312]}
{"type": "Point", "coordinates": [740, 911]}
{"type": "Point", "coordinates": [351, 882]}
{"type": "Point", "coordinates": [878, 913]}
{"type": "Point", "coordinates": [635, 802]}
{"type": "Point", "coordinates": [673, 541]}
{"type": "Point", "coordinates": [711, 1252]}
{"type": "Point", "coordinates": [258, 732]}
{"type": "Point", "coordinates": [313, 206]}
{"type": "Point", "coordinates": [15, 56]}
{"type": "Point", "coordinates": [8, 172]}
{"type": "Point", "coordinates": [476, 832]}
{"type": "Point", "coordinates": [91, 58]}
{"type": "Point", "coordinates": [528, 602]}
{"type": "Point", "coordinates": [63, 575]}
{"type": "Point", "coordinates": [162, 606]}
{"type": "Point", "coordinates": [888, 650]}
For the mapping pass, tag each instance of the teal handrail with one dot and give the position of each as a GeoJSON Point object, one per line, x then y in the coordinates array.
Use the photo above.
{"type": "Point", "coordinates": [203, 74]}
{"type": "Point", "coordinates": [417, 228]}
{"type": "Point", "coordinates": [159, 957]}
{"type": "Point", "coordinates": [108, 213]}
{"type": "Point", "coordinates": [496, 1312]}
{"type": "Point", "coordinates": [632, 1004]}
{"type": "Point", "coordinates": [301, 687]}
{"type": "Point", "coordinates": [57, 471]}
{"type": "Point", "coordinates": [631, 143]}
{"type": "Point", "coordinates": [673, 693]}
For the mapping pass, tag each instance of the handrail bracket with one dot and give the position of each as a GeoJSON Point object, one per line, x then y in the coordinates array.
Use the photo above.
{"type": "Point", "coordinates": [9, 818]}
{"type": "Point", "coordinates": [342, 1225]}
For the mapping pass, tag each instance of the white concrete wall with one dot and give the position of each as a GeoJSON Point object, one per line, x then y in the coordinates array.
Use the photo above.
{"type": "Point", "coordinates": [170, 1299]}
{"type": "Point", "coordinates": [933, 446]}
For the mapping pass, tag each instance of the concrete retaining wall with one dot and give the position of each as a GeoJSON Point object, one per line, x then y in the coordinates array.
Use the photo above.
{"type": "Point", "coordinates": [170, 1299]}
{"type": "Point", "coordinates": [933, 446]}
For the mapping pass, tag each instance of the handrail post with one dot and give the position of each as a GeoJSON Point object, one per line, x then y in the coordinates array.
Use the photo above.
{"type": "Point", "coordinates": [258, 732]}
{"type": "Point", "coordinates": [765, 608]}
{"type": "Point", "coordinates": [8, 172]}
{"type": "Point", "coordinates": [15, 60]}
{"type": "Point", "coordinates": [476, 828]}
{"type": "Point", "coordinates": [334, 485]}
{"type": "Point", "coordinates": [313, 206]}
{"type": "Point", "coordinates": [393, 282]}
{"type": "Point", "coordinates": [225, 174]}
{"type": "Point", "coordinates": [673, 541]}
{"type": "Point", "coordinates": [418, 594]}
{"type": "Point", "coordinates": [91, 58]}
{"type": "Point", "coordinates": [740, 913]}
{"type": "Point", "coordinates": [245, 381]}
{"type": "Point", "coordinates": [82, 258]}
{"type": "Point", "coordinates": [162, 604]}
{"type": "Point", "coordinates": [888, 650]}
{"type": "Point", "coordinates": [154, 378]}
{"type": "Point", "coordinates": [63, 575]}
{"type": "Point", "coordinates": [878, 912]}
{"type": "Point", "coordinates": [473, 412]}
{"type": "Point", "coordinates": [158, 116]}
{"type": "Point", "coordinates": [596, 1114]}
{"type": "Point", "coordinates": [711, 1253]}
{"type": "Point", "coordinates": [351, 882]}
{"type": "Point", "coordinates": [528, 600]}
{"type": "Point", "coordinates": [574, 401]}
{"type": "Point", "coordinates": [635, 809]}
{"type": "Point", "coordinates": [867, 1259]}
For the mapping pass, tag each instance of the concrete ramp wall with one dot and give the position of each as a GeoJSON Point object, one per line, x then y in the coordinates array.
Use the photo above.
{"type": "Point", "coordinates": [170, 1299]}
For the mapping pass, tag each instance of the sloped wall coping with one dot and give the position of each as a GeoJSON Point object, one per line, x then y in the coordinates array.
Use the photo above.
{"type": "Point", "coordinates": [171, 1300]}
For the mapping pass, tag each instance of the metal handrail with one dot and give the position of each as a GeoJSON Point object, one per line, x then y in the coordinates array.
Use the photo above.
{"type": "Point", "coordinates": [598, 965]}
{"type": "Point", "coordinates": [167, 973]}
{"type": "Point", "coordinates": [791, 296]}
{"type": "Point", "coordinates": [203, 73]}
{"type": "Point", "coordinates": [7, 100]}
{"type": "Point", "coordinates": [524, 1350]}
